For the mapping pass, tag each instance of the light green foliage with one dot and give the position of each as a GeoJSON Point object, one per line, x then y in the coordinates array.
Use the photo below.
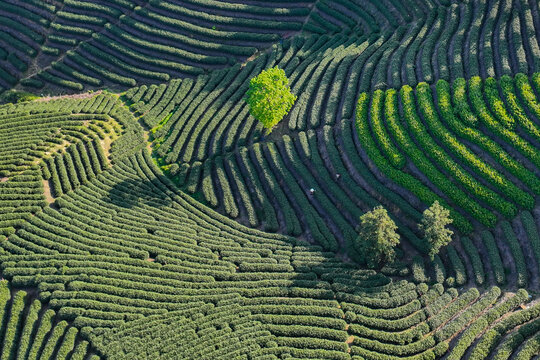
{"type": "Point", "coordinates": [269, 97]}
{"type": "Point", "coordinates": [377, 237]}
{"type": "Point", "coordinates": [433, 224]}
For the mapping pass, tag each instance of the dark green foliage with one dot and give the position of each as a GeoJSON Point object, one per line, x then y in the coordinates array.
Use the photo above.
{"type": "Point", "coordinates": [517, 253]}
{"type": "Point", "coordinates": [14, 96]}
{"type": "Point", "coordinates": [419, 270]}
{"type": "Point", "coordinates": [377, 237]}
{"type": "Point", "coordinates": [435, 220]}
{"type": "Point", "coordinates": [494, 257]}
{"type": "Point", "coordinates": [474, 256]}
{"type": "Point", "coordinates": [457, 266]}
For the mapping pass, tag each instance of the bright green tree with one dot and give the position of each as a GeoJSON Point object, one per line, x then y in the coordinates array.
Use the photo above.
{"type": "Point", "coordinates": [433, 224]}
{"type": "Point", "coordinates": [269, 97]}
{"type": "Point", "coordinates": [377, 237]}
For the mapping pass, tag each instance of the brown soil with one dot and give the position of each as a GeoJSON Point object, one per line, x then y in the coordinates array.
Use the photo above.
{"type": "Point", "coordinates": [149, 144]}
{"type": "Point", "coordinates": [3, 179]}
{"type": "Point", "coordinates": [52, 150]}
{"type": "Point", "coordinates": [150, 259]}
{"type": "Point", "coordinates": [251, 58]}
{"type": "Point", "coordinates": [47, 191]}
{"type": "Point", "coordinates": [350, 340]}
{"type": "Point", "coordinates": [73, 96]}
{"type": "Point", "coordinates": [288, 34]}
{"type": "Point", "coordinates": [106, 145]}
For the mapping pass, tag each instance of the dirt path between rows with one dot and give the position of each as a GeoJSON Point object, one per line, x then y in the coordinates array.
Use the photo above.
{"type": "Point", "coordinates": [73, 96]}
{"type": "Point", "coordinates": [47, 191]}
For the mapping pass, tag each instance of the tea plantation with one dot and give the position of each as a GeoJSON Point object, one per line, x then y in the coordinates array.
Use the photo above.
{"type": "Point", "coordinates": [145, 213]}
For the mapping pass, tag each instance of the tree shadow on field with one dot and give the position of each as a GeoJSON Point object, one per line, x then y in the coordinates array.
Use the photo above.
{"type": "Point", "coordinates": [131, 193]}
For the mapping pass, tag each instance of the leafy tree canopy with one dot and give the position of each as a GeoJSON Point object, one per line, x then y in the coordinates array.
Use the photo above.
{"type": "Point", "coordinates": [433, 224]}
{"type": "Point", "coordinates": [377, 237]}
{"type": "Point", "coordinates": [269, 97]}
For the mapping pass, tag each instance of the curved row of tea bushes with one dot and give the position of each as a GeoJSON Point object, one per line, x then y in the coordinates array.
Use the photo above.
{"type": "Point", "coordinates": [483, 194]}
{"type": "Point", "coordinates": [31, 331]}
{"type": "Point", "coordinates": [191, 40]}
{"type": "Point", "coordinates": [154, 42]}
{"type": "Point", "coordinates": [490, 166]}
{"type": "Point", "coordinates": [441, 41]}
{"type": "Point", "coordinates": [24, 31]}
{"type": "Point", "coordinates": [337, 15]}
{"type": "Point", "coordinates": [127, 256]}
{"type": "Point", "coordinates": [199, 114]}
{"type": "Point", "coordinates": [42, 130]}
{"type": "Point", "coordinates": [95, 274]}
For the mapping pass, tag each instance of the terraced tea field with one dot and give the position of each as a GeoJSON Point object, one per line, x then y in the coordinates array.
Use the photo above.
{"type": "Point", "coordinates": [145, 213]}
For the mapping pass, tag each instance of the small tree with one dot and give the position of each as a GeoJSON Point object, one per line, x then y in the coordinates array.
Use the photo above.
{"type": "Point", "coordinates": [377, 237]}
{"type": "Point", "coordinates": [269, 97]}
{"type": "Point", "coordinates": [433, 224]}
